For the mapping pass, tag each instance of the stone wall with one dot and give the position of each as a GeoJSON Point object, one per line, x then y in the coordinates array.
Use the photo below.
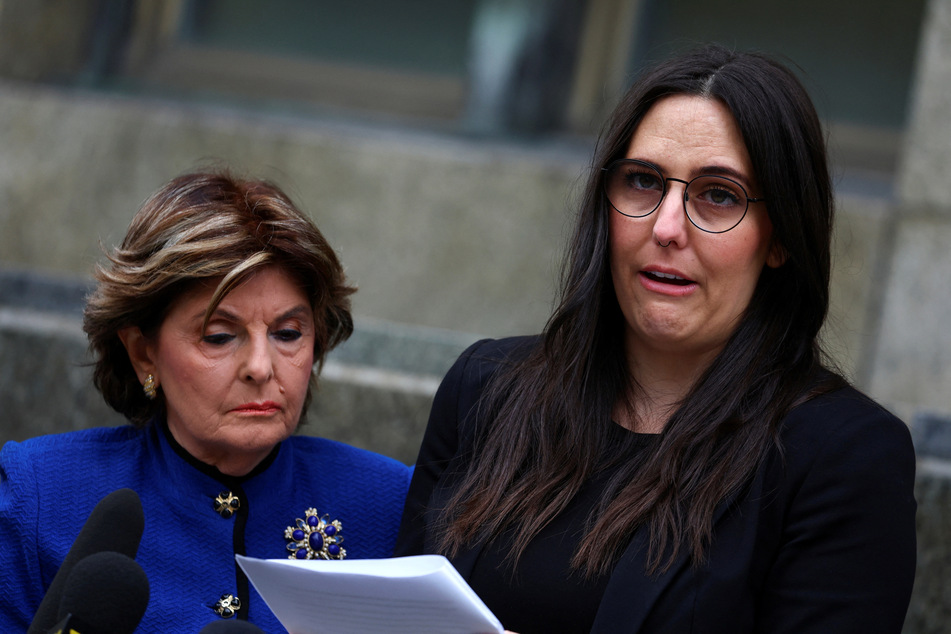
{"type": "Point", "coordinates": [435, 231]}
{"type": "Point", "coordinates": [912, 362]}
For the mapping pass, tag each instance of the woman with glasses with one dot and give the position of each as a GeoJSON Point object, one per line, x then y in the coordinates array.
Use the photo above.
{"type": "Point", "coordinates": [671, 454]}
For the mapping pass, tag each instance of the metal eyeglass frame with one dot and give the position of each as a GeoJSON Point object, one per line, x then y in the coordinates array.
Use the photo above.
{"type": "Point", "coordinates": [665, 179]}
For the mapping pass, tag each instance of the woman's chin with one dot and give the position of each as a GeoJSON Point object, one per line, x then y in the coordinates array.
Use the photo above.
{"type": "Point", "coordinates": [239, 460]}
{"type": "Point", "coordinates": [238, 451]}
{"type": "Point", "coordinates": [260, 438]}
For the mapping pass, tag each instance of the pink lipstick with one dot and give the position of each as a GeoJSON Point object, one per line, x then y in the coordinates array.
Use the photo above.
{"type": "Point", "coordinates": [263, 408]}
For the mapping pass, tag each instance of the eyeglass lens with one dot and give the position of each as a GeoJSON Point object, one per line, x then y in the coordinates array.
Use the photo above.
{"type": "Point", "coordinates": [713, 203]}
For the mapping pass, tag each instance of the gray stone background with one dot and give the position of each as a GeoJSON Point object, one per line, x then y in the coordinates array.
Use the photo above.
{"type": "Point", "coordinates": [447, 237]}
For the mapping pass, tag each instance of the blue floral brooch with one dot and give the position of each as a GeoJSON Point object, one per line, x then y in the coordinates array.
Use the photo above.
{"type": "Point", "coordinates": [315, 538]}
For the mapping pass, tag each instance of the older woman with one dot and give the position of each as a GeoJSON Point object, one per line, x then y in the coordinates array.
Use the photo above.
{"type": "Point", "coordinates": [207, 325]}
{"type": "Point", "coordinates": [671, 455]}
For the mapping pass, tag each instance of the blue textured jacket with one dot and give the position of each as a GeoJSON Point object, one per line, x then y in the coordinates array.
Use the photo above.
{"type": "Point", "coordinates": [49, 485]}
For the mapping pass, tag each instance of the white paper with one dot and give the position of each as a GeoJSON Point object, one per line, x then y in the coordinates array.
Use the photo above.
{"type": "Point", "coordinates": [417, 595]}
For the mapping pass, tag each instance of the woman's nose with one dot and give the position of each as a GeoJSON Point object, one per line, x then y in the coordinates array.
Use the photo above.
{"type": "Point", "coordinates": [670, 220]}
{"type": "Point", "coordinates": [258, 366]}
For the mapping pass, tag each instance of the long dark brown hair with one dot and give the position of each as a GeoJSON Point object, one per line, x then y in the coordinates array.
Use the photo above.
{"type": "Point", "coordinates": [546, 418]}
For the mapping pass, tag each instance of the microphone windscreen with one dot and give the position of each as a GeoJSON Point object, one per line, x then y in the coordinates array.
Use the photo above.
{"type": "Point", "coordinates": [115, 524]}
{"type": "Point", "coordinates": [230, 627]}
{"type": "Point", "coordinates": [105, 593]}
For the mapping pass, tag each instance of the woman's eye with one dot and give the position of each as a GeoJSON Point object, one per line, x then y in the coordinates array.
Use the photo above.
{"type": "Point", "coordinates": [716, 192]}
{"type": "Point", "coordinates": [643, 180]}
{"type": "Point", "coordinates": [721, 196]}
{"type": "Point", "coordinates": [288, 334]}
{"type": "Point", "coordinates": [218, 339]}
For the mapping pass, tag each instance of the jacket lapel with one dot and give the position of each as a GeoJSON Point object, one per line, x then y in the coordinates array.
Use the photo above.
{"type": "Point", "coordinates": [465, 561]}
{"type": "Point", "coordinates": [631, 595]}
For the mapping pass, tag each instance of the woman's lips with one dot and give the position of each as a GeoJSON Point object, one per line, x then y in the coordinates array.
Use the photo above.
{"type": "Point", "coordinates": [666, 283]}
{"type": "Point", "coordinates": [668, 278]}
{"type": "Point", "coordinates": [260, 409]}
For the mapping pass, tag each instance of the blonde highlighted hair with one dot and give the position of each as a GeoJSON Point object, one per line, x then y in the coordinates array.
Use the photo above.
{"type": "Point", "coordinates": [205, 226]}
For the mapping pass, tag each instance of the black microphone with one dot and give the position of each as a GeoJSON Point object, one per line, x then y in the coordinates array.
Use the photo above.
{"type": "Point", "coordinates": [230, 627]}
{"type": "Point", "coordinates": [105, 593]}
{"type": "Point", "coordinates": [114, 525]}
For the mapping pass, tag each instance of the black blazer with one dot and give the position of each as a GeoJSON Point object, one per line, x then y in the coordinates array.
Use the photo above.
{"type": "Point", "coordinates": [822, 539]}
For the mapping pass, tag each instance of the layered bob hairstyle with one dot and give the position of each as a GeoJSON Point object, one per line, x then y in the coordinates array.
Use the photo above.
{"type": "Point", "coordinates": [205, 226]}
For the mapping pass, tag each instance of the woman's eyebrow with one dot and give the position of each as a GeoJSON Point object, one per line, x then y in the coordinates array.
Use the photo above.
{"type": "Point", "coordinates": [723, 170]}
{"type": "Point", "coordinates": [297, 311]}
{"type": "Point", "coordinates": [714, 169]}
{"type": "Point", "coordinates": [221, 313]}
{"type": "Point", "coordinates": [300, 310]}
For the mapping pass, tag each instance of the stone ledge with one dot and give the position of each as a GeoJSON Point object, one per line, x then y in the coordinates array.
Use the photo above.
{"type": "Point", "coordinates": [930, 609]}
{"type": "Point", "coordinates": [931, 432]}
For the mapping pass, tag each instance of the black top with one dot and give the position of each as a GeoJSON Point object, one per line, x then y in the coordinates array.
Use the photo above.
{"type": "Point", "coordinates": [822, 539]}
{"type": "Point", "coordinates": [544, 594]}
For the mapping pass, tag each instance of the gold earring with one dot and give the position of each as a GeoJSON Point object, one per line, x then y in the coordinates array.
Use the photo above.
{"type": "Point", "coordinates": [149, 388]}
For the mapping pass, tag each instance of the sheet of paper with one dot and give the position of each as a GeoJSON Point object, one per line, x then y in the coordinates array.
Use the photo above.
{"type": "Point", "coordinates": [416, 595]}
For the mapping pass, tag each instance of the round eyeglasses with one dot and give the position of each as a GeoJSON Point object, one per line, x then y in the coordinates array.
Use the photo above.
{"type": "Point", "coordinates": [714, 204]}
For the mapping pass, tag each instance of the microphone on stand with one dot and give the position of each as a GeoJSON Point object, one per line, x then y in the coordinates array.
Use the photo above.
{"type": "Point", "coordinates": [114, 525]}
{"type": "Point", "coordinates": [105, 593]}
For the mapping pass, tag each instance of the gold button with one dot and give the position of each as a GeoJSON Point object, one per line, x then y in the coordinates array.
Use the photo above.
{"type": "Point", "coordinates": [226, 504]}
{"type": "Point", "coordinates": [227, 606]}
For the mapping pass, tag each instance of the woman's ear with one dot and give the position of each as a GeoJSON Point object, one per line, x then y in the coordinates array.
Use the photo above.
{"type": "Point", "coordinates": [777, 255]}
{"type": "Point", "coordinates": [139, 349]}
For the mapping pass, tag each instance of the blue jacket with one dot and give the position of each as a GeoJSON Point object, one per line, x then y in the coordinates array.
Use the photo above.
{"type": "Point", "coordinates": [49, 485]}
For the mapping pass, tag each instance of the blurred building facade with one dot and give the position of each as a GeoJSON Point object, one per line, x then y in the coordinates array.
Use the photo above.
{"type": "Point", "coordinates": [440, 146]}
